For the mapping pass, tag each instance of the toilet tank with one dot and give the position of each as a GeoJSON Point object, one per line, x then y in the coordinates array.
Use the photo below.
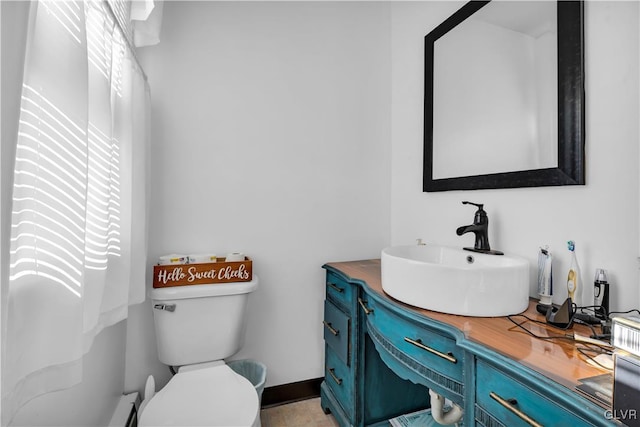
{"type": "Point", "coordinates": [200, 323]}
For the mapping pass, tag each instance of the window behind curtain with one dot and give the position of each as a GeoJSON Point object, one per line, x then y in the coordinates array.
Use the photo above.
{"type": "Point", "coordinates": [78, 235]}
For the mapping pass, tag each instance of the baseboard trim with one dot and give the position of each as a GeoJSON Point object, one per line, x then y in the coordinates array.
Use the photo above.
{"type": "Point", "coordinates": [292, 392]}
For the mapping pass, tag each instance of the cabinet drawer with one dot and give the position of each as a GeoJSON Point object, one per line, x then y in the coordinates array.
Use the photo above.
{"type": "Point", "coordinates": [339, 291]}
{"type": "Point", "coordinates": [340, 379]}
{"type": "Point", "coordinates": [499, 397]}
{"type": "Point", "coordinates": [434, 355]}
{"type": "Point", "coordinates": [337, 328]}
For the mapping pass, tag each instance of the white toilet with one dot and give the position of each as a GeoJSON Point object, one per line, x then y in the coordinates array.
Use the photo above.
{"type": "Point", "coordinates": [196, 328]}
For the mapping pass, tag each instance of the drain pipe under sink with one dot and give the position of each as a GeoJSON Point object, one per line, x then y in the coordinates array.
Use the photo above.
{"type": "Point", "coordinates": [453, 416]}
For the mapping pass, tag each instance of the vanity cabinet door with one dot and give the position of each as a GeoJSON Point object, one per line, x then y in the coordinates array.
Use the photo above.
{"type": "Point", "coordinates": [503, 400]}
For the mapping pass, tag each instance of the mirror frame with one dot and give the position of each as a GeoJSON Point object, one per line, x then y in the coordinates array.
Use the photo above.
{"type": "Point", "coordinates": [571, 109]}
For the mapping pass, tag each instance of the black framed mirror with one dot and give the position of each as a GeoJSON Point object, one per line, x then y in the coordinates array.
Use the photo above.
{"type": "Point", "coordinates": [461, 139]}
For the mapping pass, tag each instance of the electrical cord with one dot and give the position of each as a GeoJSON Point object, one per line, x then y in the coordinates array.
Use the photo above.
{"type": "Point", "coordinates": [587, 324]}
{"type": "Point", "coordinates": [625, 312]}
{"type": "Point", "coordinates": [529, 319]}
{"type": "Point", "coordinates": [584, 351]}
{"type": "Point", "coordinates": [588, 316]}
{"type": "Point", "coordinates": [598, 308]}
{"type": "Point", "coordinates": [584, 348]}
{"type": "Point", "coordinates": [594, 333]}
{"type": "Point", "coordinates": [591, 314]}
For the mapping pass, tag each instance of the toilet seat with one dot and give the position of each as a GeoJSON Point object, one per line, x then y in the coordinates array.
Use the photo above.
{"type": "Point", "coordinates": [205, 395]}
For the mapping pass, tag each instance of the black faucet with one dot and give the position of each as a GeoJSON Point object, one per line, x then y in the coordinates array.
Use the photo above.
{"type": "Point", "coordinates": [480, 228]}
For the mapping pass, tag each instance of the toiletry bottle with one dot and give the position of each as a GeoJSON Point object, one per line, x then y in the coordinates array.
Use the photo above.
{"type": "Point", "coordinates": [574, 282]}
{"type": "Point", "coordinates": [601, 294]}
{"type": "Point", "coordinates": [545, 280]}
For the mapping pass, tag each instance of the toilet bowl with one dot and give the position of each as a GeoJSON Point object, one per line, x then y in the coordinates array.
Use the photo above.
{"type": "Point", "coordinates": [197, 327]}
{"type": "Point", "coordinates": [208, 394]}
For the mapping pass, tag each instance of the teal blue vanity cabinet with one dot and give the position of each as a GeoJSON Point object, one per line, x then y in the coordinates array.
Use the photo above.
{"type": "Point", "coordinates": [382, 357]}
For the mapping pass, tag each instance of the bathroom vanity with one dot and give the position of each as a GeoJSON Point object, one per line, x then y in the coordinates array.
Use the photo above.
{"type": "Point", "coordinates": [382, 356]}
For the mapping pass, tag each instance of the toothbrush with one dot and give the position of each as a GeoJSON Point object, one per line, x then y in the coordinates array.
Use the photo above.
{"type": "Point", "coordinates": [574, 274]}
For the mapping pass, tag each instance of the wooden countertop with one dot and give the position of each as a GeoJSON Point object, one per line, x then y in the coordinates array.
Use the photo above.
{"type": "Point", "coordinates": [559, 360]}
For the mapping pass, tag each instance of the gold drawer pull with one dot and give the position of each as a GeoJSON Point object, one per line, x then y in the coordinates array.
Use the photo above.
{"type": "Point", "coordinates": [330, 328]}
{"type": "Point", "coordinates": [510, 405]}
{"type": "Point", "coordinates": [418, 343]}
{"type": "Point", "coordinates": [332, 372]}
{"type": "Point", "coordinates": [337, 288]}
{"type": "Point", "coordinates": [366, 309]}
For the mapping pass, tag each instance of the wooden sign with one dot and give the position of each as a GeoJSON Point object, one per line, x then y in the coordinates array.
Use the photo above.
{"type": "Point", "coordinates": [202, 274]}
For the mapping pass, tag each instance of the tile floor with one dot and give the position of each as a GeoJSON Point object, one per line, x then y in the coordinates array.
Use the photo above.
{"type": "Point", "coordinates": [306, 413]}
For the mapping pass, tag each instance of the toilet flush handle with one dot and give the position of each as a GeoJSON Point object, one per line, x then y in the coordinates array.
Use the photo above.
{"type": "Point", "coordinates": [167, 307]}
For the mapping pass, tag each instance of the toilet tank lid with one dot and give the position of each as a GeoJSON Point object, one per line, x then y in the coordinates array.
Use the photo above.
{"type": "Point", "coordinates": [202, 291]}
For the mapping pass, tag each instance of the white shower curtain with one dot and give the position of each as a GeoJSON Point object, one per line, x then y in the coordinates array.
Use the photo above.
{"type": "Point", "coordinates": [78, 221]}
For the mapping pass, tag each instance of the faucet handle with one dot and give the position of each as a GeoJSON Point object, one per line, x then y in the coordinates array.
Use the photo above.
{"type": "Point", "coordinates": [480, 216]}
{"type": "Point", "coordinates": [478, 205]}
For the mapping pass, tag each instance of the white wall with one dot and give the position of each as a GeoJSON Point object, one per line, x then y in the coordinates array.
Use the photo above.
{"type": "Point", "coordinates": [602, 217]}
{"type": "Point", "coordinates": [270, 136]}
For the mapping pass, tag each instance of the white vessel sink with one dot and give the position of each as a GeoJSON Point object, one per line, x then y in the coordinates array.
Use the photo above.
{"type": "Point", "coordinates": [455, 281]}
